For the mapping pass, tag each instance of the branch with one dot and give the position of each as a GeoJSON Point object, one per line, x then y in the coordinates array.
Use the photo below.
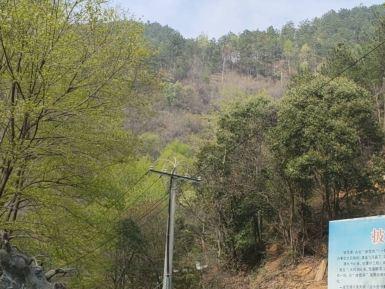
{"type": "Point", "coordinates": [64, 272]}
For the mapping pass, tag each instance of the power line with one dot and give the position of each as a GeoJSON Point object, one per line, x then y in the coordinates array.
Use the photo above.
{"type": "Point", "coordinates": [135, 184]}
{"type": "Point", "coordinates": [250, 136]}
{"type": "Point", "coordinates": [354, 63]}
{"type": "Point", "coordinates": [152, 209]}
{"type": "Point", "coordinates": [112, 238]}
{"type": "Point", "coordinates": [234, 147]}
{"type": "Point", "coordinates": [141, 194]}
{"type": "Point", "coordinates": [89, 253]}
{"type": "Point", "coordinates": [87, 222]}
{"type": "Point", "coordinates": [138, 181]}
{"type": "Point", "coordinates": [143, 216]}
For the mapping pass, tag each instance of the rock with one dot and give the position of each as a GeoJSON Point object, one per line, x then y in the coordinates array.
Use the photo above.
{"type": "Point", "coordinates": [321, 269]}
{"type": "Point", "coordinates": [19, 271]}
{"type": "Point", "coordinates": [303, 270]}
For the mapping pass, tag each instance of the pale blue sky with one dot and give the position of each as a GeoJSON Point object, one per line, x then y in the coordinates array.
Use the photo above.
{"type": "Point", "coordinates": [217, 17]}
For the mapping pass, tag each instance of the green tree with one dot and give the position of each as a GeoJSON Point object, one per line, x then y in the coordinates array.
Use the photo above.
{"type": "Point", "coordinates": [288, 51]}
{"type": "Point", "coordinates": [324, 139]}
{"type": "Point", "coordinates": [341, 57]}
{"type": "Point", "coordinates": [67, 70]}
{"type": "Point", "coordinates": [233, 172]}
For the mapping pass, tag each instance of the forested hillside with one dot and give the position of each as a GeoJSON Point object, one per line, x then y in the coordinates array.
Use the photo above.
{"type": "Point", "coordinates": [270, 53]}
{"type": "Point", "coordinates": [200, 74]}
{"type": "Point", "coordinates": [285, 127]}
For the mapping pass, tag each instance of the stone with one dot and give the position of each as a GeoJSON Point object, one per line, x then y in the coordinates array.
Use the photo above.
{"type": "Point", "coordinates": [321, 269]}
{"type": "Point", "coordinates": [19, 271]}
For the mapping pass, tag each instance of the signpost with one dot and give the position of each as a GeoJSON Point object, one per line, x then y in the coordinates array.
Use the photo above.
{"type": "Point", "coordinates": [357, 253]}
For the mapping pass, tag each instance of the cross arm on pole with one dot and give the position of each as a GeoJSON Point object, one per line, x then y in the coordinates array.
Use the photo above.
{"type": "Point", "coordinates": [176, 176]}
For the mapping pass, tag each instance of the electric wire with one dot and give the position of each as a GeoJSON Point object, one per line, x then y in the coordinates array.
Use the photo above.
{"type": "Point", "coordinates": [112, 238]}
{"type": "Point", "coordinates": [232, 149]}
{"type": "Point", "coordinates": [353, 64]}
{"type": "Point", "coordinates": [141, 194]}
{"type": "Point", "coordinates": [153, 208]}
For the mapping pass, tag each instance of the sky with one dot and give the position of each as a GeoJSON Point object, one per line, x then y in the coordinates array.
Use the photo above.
{"type": "Point", "coordinates": [215, 18]}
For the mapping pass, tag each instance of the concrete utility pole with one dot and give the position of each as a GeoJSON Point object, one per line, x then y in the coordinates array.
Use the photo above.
{"type": "Point", "coordinates": [169, 250]}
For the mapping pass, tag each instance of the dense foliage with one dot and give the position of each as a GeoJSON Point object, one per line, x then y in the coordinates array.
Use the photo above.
{"type": "Point", "coordinates": [270, 53]}
{"type": "Point", "coordinates": [285, 127]}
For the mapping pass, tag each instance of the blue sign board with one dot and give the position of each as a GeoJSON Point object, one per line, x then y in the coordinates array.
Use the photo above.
{"type": "Point", "coordinates": [357, 253]}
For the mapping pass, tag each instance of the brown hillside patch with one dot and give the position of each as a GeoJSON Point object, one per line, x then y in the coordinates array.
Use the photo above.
{"type": "Point", "coordinates": [273, 275]}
